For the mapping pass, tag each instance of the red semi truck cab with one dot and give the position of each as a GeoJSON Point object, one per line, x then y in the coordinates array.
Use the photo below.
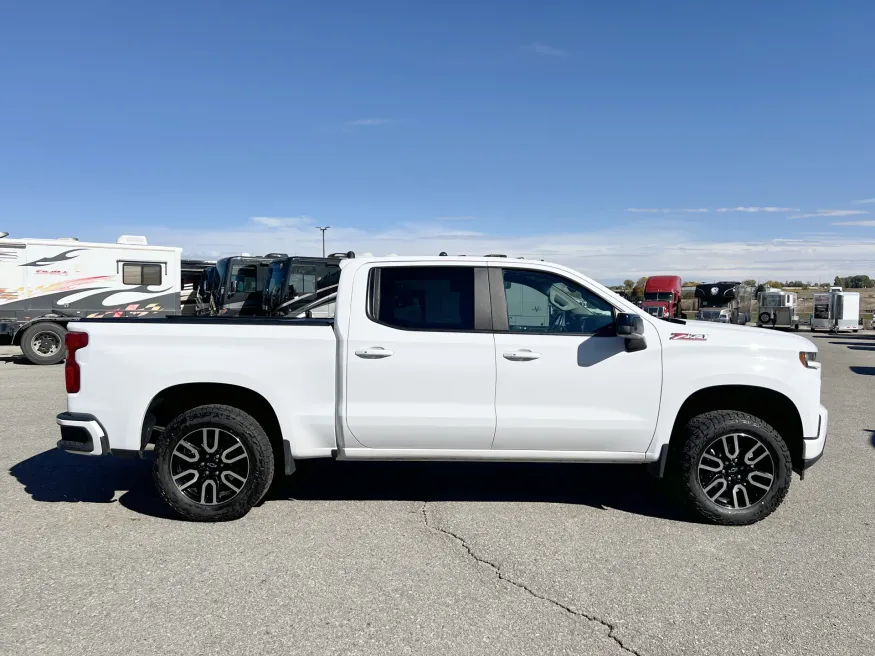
{"type": "Point", "coordinates": [662, 296]}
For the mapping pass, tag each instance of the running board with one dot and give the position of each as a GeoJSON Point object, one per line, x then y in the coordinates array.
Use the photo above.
{"type": "Point", "coordinates": [506, 455]}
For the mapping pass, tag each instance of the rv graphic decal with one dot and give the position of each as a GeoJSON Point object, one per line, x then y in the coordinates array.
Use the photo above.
{"type": "Point", "coordinates": [60, 257]}
{"type": "Point", "coordinates": [8, 255]}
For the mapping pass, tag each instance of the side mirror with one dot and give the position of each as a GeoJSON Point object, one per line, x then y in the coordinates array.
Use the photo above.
{"type": "Point", "coordinates": [631, 326]}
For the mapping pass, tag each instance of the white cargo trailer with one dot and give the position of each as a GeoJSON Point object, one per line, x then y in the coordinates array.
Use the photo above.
{"type": "Point", "coordinates": [836, 311]}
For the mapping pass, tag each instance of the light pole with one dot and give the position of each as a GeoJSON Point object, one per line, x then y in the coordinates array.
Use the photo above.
{"type": "Point", "coordinates": [323, 229]}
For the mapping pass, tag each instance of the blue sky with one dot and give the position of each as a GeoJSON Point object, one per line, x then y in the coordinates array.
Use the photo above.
{"type": "Point", "coordinates": [460, 126]}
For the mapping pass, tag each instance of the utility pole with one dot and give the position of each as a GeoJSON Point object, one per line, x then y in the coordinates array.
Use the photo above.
{"type": "Point", "coordinates": [323, 229]}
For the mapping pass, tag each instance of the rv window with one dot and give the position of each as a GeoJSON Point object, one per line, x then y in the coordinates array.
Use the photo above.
{"type": "Point", "coordinates": [141, 274]}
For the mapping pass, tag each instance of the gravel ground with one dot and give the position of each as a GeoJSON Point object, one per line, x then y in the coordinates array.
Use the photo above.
{"type": "Point", "coordinates": [355, 558]}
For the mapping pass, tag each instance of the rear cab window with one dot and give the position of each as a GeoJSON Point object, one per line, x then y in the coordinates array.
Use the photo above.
{"type": "Point", "coordinates": [437, 298]}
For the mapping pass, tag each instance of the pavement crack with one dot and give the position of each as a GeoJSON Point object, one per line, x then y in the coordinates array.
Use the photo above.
{"type": "Point", "coordinates": [522, 586]}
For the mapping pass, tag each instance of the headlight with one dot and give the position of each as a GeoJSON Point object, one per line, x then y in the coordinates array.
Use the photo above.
{"type": "Point", "coordinates": [809, 359]}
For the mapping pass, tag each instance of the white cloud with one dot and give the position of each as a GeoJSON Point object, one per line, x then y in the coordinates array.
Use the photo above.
{"type": "Point", "coordinates": [867, 224]}
{"type": "Point", "coordinates": [544, 50]}
{"type": "Point", "coordinates": [281, 222]}
{"type": "Point", "coordinates": [757, 209]}
{"type": "Point", "coordinates": [863, 201]}
{"type": "Point", "coordinates": [368, 122]}
{"type": "Point", "coordinates": [665, 210]}
{"type": "Point", "coordinates": [455, 218]}
{"type": "Point", "coordinates": [607, 255]}
{"type": "Point", "coordinates": [829, 213]}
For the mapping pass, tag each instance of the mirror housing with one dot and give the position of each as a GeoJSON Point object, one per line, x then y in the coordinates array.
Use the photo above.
{"type": "Point", "coordinates": [631, 326]}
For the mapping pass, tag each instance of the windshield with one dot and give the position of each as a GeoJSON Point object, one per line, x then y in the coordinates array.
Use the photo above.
{"type": "Point", "coordinates": [658, 296]}
{"type": "Point", "coordinates": [244, 278]}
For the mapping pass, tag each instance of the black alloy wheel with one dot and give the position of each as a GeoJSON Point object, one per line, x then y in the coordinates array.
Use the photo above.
{"type": "Point", "coordinates": [210, 466]}
{"type": "Point", "coordinates": [736, 471]}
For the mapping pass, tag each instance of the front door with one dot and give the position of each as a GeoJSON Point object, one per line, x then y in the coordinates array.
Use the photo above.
{"type": "Point", "coordinates": [565, 381]}
{"type": "Point", "coordinates": [421, 364]}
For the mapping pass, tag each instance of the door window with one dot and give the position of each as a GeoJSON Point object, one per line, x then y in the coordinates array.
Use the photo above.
{"type": "Point", "coordinates": [424, 298]}
{"type": "Point", "coordinates": [540, 302]}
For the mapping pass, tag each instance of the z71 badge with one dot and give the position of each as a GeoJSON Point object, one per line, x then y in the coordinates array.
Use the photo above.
{"type": "Point", "coordinates": [696, 337]}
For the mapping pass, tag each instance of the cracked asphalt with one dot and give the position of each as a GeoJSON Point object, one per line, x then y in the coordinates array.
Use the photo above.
{"type": "Point", "coordinates": [419, 558]}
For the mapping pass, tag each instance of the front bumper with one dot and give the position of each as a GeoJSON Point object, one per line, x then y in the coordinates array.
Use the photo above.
{"type": "Point", "coordinates": [812, 447]}
{"type": "Point", "coordinates": [82, 433]}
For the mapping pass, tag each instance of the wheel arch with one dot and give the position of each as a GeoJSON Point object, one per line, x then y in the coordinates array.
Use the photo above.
{"type": "Point", "coordinates": [173, 401]}
{"type": "Point", "coordinates": [771, 406]}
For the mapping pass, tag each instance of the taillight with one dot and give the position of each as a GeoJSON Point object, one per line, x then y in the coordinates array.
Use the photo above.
{"type": "Point", "coordinates": [74, 342]}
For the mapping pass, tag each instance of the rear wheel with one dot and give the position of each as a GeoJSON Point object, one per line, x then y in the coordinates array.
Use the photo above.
{"type": "Point", "coordinates": [214, 463]}
{"type": "Point", "coordinates": [733, 468]}
{"type": "Point", "coordinates": [43, 343]}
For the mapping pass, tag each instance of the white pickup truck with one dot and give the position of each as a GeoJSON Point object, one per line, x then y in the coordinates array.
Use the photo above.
{"type": "Point", "coordinates": [449, 358]}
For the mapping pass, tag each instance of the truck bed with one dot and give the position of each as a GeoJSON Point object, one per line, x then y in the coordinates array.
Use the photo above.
{"type": "Point", "coordinates": [129, 362]}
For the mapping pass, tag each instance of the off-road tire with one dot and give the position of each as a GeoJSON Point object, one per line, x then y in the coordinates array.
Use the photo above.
{"type": "Point", "coordinates": [34, 355]}
{"type": "Point", "coordinates": [254, 440]}
{"type": "Point", "coordinates": [699, 433]}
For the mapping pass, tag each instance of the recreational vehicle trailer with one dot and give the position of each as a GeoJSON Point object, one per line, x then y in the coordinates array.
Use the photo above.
{"type": "Point", "coordinates": [726, 302]}
{"type": "Point", "coordinates": [777, 309]}
{"type": "Point", "coordinates": [47, 283]}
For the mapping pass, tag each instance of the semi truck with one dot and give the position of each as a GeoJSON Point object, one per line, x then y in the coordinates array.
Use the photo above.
{"type": "Point", "coordinates": [662, 296]}
{"type": "Point", "coordinates": [442, 359]}
{"type": "Point", "coordinates": [235, 287]}
{"type": "Point", "coordinates": [724, 302]}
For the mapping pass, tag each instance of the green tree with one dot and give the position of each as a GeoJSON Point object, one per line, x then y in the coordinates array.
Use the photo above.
{"type": "Point", "coordinates": [750, 283]}
{"type": "Point", "coordinates": [776, 284]}
{"type": "Point", "coordinates": [628, 285]}
{"type": "Point", "coordinates": [638, 288]}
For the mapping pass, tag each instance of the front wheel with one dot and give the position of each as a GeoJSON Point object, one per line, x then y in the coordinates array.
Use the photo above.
{"type": "Point", "coordinates": [734, 468]}
{"type": "Point", "coordinates": [213, 463]}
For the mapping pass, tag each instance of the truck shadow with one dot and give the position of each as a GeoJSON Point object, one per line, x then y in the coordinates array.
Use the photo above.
{"type": "Point", "coordinates": [58, 477]}
{"type": "Point", "coordinates": [627, 488]}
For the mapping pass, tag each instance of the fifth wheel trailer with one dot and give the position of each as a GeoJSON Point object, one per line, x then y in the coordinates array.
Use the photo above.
{"type": "Point", "coordinates": [47, 283]}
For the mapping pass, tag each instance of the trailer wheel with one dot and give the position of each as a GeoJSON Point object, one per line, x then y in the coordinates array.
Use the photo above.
{"type": "Point", "coordinates": [43, 343]}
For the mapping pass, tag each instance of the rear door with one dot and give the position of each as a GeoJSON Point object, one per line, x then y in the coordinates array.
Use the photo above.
{"type": "Point", "coordinates": [564, 379]}
{"type": "Point", "coordinates": [421, 360]}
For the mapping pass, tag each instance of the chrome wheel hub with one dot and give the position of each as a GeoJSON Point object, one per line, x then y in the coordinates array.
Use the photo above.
{"type": "Point", "coordinates": [736, 471]}
{"type": "Point", "coordinates": [46, 343]}
{"type": "Point", "coordinates": [210, 466]}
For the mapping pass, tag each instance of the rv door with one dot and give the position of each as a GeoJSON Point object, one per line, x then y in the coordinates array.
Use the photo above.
{"type": "Point", "coordinates": [11, 273]}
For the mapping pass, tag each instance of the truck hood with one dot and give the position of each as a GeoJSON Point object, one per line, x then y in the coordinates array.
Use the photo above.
{"type": "Point", "coordinates": [734, 335]}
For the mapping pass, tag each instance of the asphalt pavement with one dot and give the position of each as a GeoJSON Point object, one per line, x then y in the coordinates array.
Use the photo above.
{"type": "Point", "coordinates": [420, 558]}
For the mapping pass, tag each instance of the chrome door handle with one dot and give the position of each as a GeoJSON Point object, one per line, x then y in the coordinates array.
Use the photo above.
{"type": "Point", "coordinates": [374, 353]}
{"type": "Point", "coordinates": [523, 355]}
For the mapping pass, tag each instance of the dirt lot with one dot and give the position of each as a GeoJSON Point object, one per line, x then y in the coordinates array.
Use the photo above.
{"type": "Point", "coordinates": [433, 558]}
